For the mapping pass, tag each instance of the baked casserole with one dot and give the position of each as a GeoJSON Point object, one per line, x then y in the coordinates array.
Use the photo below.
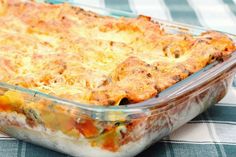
{"type": "Point", "coordinates": [81, 56]}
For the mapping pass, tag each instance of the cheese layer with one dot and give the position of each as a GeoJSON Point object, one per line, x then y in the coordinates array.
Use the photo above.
{"type": "Point", "coordinates": [78, 55]}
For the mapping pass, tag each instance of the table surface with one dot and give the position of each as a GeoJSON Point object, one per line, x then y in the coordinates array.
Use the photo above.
{"type": "Point", "coordinates": [212, 133]}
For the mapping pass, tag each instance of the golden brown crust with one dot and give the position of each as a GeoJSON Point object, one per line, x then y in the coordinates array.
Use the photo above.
{"type": "Point", "coordinates": [140, 81]}
{"type": "Point", "coordinates": [79, 55]}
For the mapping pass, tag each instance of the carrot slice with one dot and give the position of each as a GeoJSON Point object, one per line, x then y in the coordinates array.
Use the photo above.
{"type": "Point", "coordinates": [86, 127]}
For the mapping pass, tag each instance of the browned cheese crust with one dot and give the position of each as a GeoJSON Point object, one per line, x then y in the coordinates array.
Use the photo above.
{"type": "Point", "coordinates": [79, 55]}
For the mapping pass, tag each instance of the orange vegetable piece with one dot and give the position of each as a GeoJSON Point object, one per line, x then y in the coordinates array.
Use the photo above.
{"type": "Point", "coordinates": [110, 144]}
{"type": "Point", "coordinates": [86, 127]}
{"type": "Point", "coordinates": [4, 103]}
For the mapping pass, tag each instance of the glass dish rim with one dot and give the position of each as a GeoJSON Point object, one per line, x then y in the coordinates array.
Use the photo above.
{"type": "Point", "coordinates": [137, 107]}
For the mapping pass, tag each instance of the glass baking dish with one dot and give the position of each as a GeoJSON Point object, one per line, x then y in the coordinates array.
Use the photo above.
{"type": "Point", "coordinates": [78, 129]}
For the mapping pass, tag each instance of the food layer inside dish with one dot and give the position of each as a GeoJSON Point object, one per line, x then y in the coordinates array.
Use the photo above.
{"type": "Point", "coordinates": [65, 51]}
{"type": "Point", "coordinates": [78, 55]}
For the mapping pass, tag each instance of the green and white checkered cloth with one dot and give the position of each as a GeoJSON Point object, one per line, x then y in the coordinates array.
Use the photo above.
{"type": "Point", "coordinates": [212, 133]}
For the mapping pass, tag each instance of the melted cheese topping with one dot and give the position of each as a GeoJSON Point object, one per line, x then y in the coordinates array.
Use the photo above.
{"type": "Point", "coordinates": [75, 54]}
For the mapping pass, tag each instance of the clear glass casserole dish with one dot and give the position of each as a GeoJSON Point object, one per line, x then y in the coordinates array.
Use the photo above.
{"type": "Point", "coordinates": [77, 129]}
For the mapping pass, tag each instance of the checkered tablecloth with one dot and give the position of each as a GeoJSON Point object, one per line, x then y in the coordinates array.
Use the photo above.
{"type": "Point", "coordinates": [212, 133]}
